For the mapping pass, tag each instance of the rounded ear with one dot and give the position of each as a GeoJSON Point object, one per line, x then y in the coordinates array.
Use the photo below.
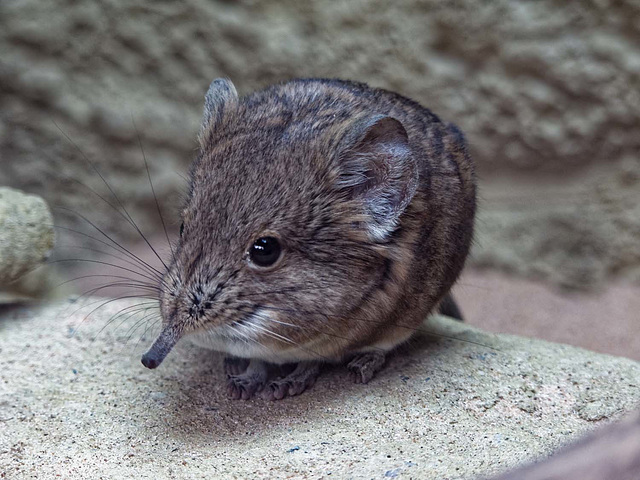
{"type": "Point", "coordinates": [221, 95]}
{"type": "Point", "coordinates": [378, 169]}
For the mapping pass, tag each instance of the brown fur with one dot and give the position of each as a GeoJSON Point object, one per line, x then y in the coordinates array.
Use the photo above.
{"type": "Point", "coordinates": [273, 162]}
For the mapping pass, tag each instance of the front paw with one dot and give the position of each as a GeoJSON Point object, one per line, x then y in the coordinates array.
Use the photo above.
{"type": "Point", "coordinates": [247, 384]}
{"type": "Point", "coordinates": [303, 377]}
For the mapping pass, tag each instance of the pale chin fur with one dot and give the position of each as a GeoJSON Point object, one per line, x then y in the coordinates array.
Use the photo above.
{"type": "Point", "coordinates": [244, 340]}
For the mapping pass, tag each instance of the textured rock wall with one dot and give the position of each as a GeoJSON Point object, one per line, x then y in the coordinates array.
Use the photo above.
{"type": "Point", "coordinates": [538, 86]}
{"type": "Point", "coordinates": [576, 233]}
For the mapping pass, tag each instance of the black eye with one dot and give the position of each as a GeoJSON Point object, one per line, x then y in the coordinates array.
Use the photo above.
{"type": "Point", "coordinates": [181, 229]}
{"type": "Point", "coordinates": [265, 251]}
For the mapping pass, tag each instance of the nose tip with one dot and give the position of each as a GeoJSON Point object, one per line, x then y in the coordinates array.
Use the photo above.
{"type": "Point", "coordinates": [161, 347]}
{"type": "Point", "coordinates": [149, 361]}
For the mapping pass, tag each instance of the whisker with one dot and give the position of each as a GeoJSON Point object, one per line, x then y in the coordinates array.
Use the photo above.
{"type": "Point", "coordinates": [151, 323]}
{"type": "Point", "coordinates": [255, 307]}
{"type": "Point", "coordinates": [426, 332]}
{"type": "Point", "coordinates": [133, 309]}
{"type": "Point", "coordinates": [148, 290]}
{"type": "Point", "coordinates": [136, 325]}
{"type": "Point", "coordinates": [155, 278]}
{"type": "Point", "coordinates": [125, 317]}
{"type": "Point", "coordinates": [306, 326]}
{"type": "Point", "coordinates": [295, 289]}
{"type": "Point", "coordinates": [471, 285]}
{"type": "Point", "coordinates": [109, 276]}
{"type": "Point", "coordinates": [287, 340]}
{"type": "Point", "coordinates": [106, 302]}
{"type": "Point", "coordinates": [246, 338]}
{"type": "Point", "coordinates": [249, 338]}
{"type": "Point", "coordinates": [123, 251]}
{"type": "Point", "coordinates": [121, 297]}
{"type": "Point", "coordinates": [95, 250]}
{"type": "Point", "coordinates": [158, 272]}
{"type": "Point", "coordinates": [88, 304]}
{"type": "Point", "coordinates": [278, 321]}
{"type": "Point", "coordinates": [101, 197]}
{"type": "Point", "coordinates": [92, 291]}
{"type": "Point", "coordinates": [146, 166]}
{"type": "Point", "coordinates": [186, 180]}
{"type": "Point", "coordinates": [87, 260]}
{"type": "Point", "coordinates": [112, 193]}
{"type": "Point", "coordinates": [276, 292]}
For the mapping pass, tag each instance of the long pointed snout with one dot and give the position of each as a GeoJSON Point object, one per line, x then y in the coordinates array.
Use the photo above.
{"type": "Point", "coordinates": [161, 347]}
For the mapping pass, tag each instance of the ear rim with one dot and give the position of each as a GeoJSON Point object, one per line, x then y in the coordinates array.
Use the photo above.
{"type": "Point", "coordinates": [220, 96]}
{"type": "Point", "coordinates": [375, 136]}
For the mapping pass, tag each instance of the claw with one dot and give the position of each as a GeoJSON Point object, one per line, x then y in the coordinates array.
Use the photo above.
{"type": "Point", "coordinates": [247, 384]}
{"type": "Point", "coordinates": [300, 379]}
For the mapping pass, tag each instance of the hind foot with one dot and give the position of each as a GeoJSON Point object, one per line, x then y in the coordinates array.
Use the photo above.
{"type": "Point", "coordinates": [302, 377]}
{"type": "Point", "coordinates": [364, 366]}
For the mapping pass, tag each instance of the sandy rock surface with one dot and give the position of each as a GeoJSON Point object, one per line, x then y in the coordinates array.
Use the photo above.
{"type": "Point", "coordinates": [606, 322]}
{"type": "Point", "coordinates": [75, 401]}
{"type": "Point", "coordinates": [27, 237]}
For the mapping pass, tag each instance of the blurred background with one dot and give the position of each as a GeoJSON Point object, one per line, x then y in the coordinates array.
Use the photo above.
{"type": "Point", "coordinates": [547, 92]}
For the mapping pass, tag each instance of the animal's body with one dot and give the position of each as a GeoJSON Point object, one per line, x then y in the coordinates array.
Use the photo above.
{"type": "Point", "coordinates": [325, 220]}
